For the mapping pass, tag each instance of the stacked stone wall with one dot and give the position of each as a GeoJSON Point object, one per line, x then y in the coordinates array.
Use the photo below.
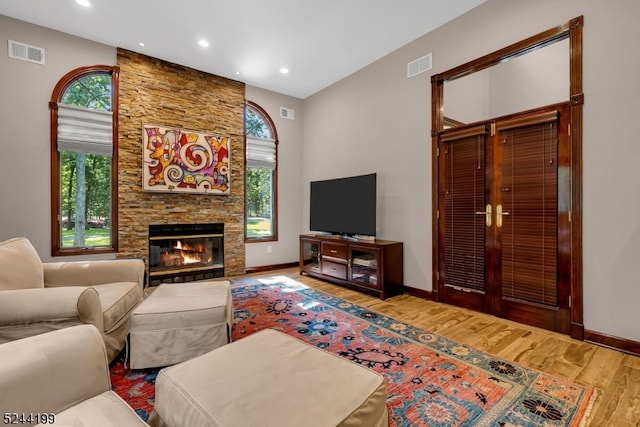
{"type": "Point", "coordinates": [160, 93]}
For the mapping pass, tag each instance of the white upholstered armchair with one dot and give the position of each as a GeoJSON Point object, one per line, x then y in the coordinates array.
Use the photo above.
{"type": "Point", "coordinates": [61, 378]}
{"type": "Point", "coordinates": [37, 297]}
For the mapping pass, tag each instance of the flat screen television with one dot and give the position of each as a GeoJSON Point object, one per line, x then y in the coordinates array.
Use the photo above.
{"type": "Point", "coordinates": [344, 206]}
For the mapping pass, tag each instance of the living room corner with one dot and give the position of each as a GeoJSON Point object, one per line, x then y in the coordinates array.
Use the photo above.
{"type": "Point", "coordinates": [439, 324]}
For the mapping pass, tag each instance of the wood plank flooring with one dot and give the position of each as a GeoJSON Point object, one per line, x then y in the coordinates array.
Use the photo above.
{"type": "Point", "coordinates": [615, 375]}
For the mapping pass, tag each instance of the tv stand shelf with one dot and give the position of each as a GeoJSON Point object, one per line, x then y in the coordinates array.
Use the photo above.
{"type": "Point", "coordinates": [372, 266]}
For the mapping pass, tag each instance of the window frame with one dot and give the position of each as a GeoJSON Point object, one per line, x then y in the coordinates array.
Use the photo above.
{"type": "Point", "coordinates": [274, 184]}
{"type": "Point", "coordinates": [56, 209]}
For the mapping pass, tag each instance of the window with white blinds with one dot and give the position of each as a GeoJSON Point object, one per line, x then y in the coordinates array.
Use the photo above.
{"type": "Point", "coordinates": [84, 130]}
{"type": "Point", "coordinates": [261, 153]}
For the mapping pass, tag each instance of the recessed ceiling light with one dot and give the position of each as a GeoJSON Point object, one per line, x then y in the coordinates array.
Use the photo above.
{"type": "Point", "coordinates": [141, 44]}
{"type": "Point", "coordinates": [203, 43]}
{"type": "Point", "coordinates": [284, 70]}
{"type": "Point", "coordinates": [237, 73]}
{"type": "Point", "coordinates": [84, 3]}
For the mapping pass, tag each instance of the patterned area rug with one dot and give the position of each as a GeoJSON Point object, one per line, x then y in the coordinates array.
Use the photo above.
{"type": "Point", "coordinates": [431, 380]}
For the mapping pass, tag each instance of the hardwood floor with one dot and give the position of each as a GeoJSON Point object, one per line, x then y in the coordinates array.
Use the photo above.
{"type": "Point", "coordinates": [615, 375]}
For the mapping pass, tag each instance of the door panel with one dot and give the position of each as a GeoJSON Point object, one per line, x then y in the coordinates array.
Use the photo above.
{"type": "Point", "coordinates": [527, 162]}
{"type": "Point", "coordinates": [464, 217]}
{"type": "Point", "coordinates": [499, 222]}
{"type": "Point", "coordinates": [528, 192]}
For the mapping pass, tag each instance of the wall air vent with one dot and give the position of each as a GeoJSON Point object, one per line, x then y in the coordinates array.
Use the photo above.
{"type": "Point", "coordinates": [26, 52]}
{"type": "Point", "coordinates": [287, 113]}
{"type": "Point", "coordinates": [419, 65]}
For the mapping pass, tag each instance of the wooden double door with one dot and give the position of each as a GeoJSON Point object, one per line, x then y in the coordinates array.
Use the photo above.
{"type": "Point", "coordinates": [503, 212]}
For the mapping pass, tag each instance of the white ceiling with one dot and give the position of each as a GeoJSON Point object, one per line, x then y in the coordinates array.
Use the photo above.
{"type": "Point", "coordinates": [320, 42]}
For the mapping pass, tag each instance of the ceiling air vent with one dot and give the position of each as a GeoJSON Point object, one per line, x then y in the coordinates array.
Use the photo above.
{"type": "Point", "coordinates": [286, 113]}
{"type": "Point", "coordinates": [419, 65]}
{"type": "Point", "coordinates": [26, 52]}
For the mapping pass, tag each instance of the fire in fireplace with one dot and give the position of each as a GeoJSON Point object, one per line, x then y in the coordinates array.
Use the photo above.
{"type": "Point", "coordinates": [180, 253]}
{"type": "Point", "coordinates": [185, 252]}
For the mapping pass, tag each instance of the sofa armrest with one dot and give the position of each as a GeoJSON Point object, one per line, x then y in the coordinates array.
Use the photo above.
{"type": "Point", "coordinates": [27, 307]}
{"type": "Point", "coordinates": [88, 273]}
{"type": "Point", "coordinates": [51, 372]}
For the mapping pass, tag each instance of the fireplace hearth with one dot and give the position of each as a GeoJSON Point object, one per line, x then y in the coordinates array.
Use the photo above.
{"type": "Point", "coordinates": [185, 252]}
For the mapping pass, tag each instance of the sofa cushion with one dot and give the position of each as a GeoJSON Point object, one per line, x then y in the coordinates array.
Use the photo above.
{"type": "Point", "coordinates": [20, 265]}
{"type": "Point", "coordinates": [117, 299]}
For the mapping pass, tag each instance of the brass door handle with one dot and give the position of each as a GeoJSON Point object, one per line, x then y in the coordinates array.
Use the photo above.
{"type": "Point", "coordinates": [499, 214]}
{"type": "Point", "coordinates": [487, 213]}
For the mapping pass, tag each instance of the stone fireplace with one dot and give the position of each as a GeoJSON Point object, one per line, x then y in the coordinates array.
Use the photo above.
{"type": "Point", "coordinates": [185, 252]}
{"type": "Point", "coordinates": [152, 91]}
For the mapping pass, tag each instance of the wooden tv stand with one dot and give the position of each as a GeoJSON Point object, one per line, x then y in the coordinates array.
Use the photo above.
{"type": "Point", "coordinates": [372, 266]}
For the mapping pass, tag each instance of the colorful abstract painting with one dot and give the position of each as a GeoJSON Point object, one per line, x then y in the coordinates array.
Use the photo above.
{"type": "Point", "coordinates": [185, 161]}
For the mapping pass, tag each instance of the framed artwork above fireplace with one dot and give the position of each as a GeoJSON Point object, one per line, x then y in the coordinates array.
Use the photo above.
{"type": "Point", "coordinates": [185, 161]}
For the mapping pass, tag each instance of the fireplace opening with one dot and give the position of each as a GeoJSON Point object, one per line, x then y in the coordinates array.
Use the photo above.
{"type": "Point", "coordinates": [185, 252]}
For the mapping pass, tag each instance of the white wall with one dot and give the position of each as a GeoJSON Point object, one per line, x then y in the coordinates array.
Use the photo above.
{"type": "Point", "coordinates": [25, 91]}
{"type": "Point", "coordinates": [378, 120]}
{"type": "Point", "coordinates": [468, 99]}
{"type": "Point", "coordinates": [285, 250]}
{"type": "Point", "coordinates": [546, 72]}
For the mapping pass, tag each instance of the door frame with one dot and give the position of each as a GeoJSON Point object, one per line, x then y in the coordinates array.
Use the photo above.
{"type": "Point", "coordinates": [573, 31]}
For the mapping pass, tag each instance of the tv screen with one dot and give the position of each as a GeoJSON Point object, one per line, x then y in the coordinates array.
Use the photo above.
{"type": "Point", "coordinates": [345, 206]}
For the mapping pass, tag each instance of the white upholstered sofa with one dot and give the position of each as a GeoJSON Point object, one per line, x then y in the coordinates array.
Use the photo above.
{"type": "Point", "coordinates": [61, 376]}
{"type": "Point", "coordinates": [37, 297]}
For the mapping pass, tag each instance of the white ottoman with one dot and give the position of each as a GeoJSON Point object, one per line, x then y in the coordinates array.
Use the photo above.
{"type": "Point", "coordinates": [179, 321]}
{"type": "Point", "coordinates": [269, 379]}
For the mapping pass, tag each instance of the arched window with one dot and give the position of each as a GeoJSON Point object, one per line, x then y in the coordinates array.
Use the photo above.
{"type": "Point", "coordinates": [261, 208]}
{"type": "Point", "coordinates": [84, 136]}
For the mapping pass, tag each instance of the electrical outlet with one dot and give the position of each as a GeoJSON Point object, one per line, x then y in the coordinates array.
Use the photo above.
{"type": "Point", "coordinates": [269, 249]}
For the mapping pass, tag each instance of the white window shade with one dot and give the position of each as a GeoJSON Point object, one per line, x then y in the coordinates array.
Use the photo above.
{"type": "Point", "coordinates": [261, 153]}
{"type": "Point", "coordinates": [84, 130]}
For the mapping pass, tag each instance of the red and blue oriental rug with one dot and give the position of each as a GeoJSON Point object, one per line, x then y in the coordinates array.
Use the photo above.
{"type": "Point", "coordinates": [431, 380]}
